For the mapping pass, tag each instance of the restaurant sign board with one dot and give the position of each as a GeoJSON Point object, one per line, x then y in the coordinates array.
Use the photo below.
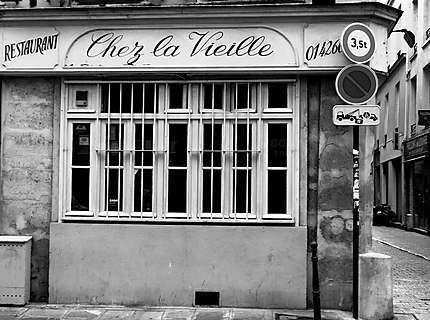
{"type": "Point", "coordinates": [416, 147]}
{"type": "Point", "coordinates": [177, 48]}
{"type": "Point", "coordinates": [26, 48]}
{"type": "Point", "coordinates": [322, 47]}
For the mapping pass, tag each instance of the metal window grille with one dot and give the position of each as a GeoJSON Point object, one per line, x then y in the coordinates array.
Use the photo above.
{"type": "Point", "coordinates": [212, 151]}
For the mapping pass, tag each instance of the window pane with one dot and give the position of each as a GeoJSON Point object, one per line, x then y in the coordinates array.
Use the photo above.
{"type": "Point", "coordinates": [110, 97]}
{"type": "Point", "coordinates": [80, 189]}
{"type": "Point", "coordinates": [150, 98]}
{"type": "Point", "coordinates": [244, 143]}
{"type": "Point", "coordinates": [148, 138]}
{"type": "Point", "coordinates": [143, 190]}
{"type": "Point", "coordinates": [137, 98]}
{"type": "Point", "coordinates": [177, 190]}
{"type": "Point", "coordinates": [277, 150]}
{"type": "Point", "coordinates": [176, 95]}
{"type": "Point", "coordinates": [126, 94]}
{"type": "Point", "coordinates": [212, 187]}
{"type": "Point", "coordinates": [278, 95]}
{"type": "Point", "coordinates": [213, 95]}
{"type": "Point", "coordinates": [178, 145]}
{"type": "Point", "coordinates": [241, 191]}
{"type": "Point", "coordinates": [277, 191]}
{"type": "Point", "coordinates": [113, 186]}
{"type": "Point", "coordinates": [81, 144]}
{"type": "Point", "coordinates": [115, 142]}
{"type": "Point", "coordinates": [212, 143]}
{"type": "Point", "coordinates": [143, 100]}
{"type": "Point", "coordinates": [243, 96]}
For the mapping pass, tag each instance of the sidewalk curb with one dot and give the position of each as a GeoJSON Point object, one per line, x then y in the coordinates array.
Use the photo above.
{"type": "Point", "coordinates": [402, 249]}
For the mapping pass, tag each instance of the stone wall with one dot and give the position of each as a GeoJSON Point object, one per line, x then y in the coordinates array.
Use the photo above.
{"type": "Point", "coordinates": [27, 125]}
{"type": "Point", "coordinates": [330, 220]}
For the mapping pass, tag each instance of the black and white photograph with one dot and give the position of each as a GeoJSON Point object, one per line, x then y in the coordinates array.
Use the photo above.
{"type": "Point", "coordinates": [215, 159]}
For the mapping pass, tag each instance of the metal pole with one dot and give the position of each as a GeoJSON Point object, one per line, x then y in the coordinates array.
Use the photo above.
{"type": "Point", "coordinates": [315, 282]}
{"type": "Point", "coordinates": [356, 218]}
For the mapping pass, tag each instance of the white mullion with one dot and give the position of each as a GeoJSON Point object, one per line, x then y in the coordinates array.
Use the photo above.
{"type": "Point", "coordinates": [64, 145]}
{"type": "Point", "coordinates": [212, 149]}
{"type": "Point", "coordinates": [99, 156]}
{"type": "Point", "coordinates": [161, 155]}
{"type": "Point", "coordinates": [142, 138]}
{"type": "Point", "coordinates": [235, 153]}
{"type": "Point", "coordinates": [166, 157]}
{"type": "Point", "coordinates": [157, 163]}
{"type": "Point", "coordinates": [259, 168]}
{"type": "Point", "coordinates": [290, 172]}
{"type": "Point", "coordinates": [201, 150]}
{"type": "Point", "coordinates": [68, 156]}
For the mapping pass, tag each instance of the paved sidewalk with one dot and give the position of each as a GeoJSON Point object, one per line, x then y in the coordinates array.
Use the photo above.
{"type": "Point", "coordinates": [410, 254]}
{"type": "Point", "coordinates": [79, 312]}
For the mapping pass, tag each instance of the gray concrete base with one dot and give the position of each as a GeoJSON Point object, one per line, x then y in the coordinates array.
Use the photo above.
{"type": "Point", "coordinates": [166, 265]}
{"type": "Point", "coordinates": [375, 287]}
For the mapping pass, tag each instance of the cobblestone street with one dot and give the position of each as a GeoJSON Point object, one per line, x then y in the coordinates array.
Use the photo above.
{"type": "Point", "coordinates": [410, 254]}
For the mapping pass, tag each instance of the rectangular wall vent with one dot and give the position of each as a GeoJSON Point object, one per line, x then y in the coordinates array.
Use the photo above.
{"type": "Point", "coordinates": [206, 298]}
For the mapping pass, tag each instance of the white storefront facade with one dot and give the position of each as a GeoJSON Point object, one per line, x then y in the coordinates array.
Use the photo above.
{"type": "Point", "coordinates": [175, 150]}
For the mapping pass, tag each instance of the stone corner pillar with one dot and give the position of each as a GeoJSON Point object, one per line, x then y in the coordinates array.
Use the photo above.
{"type": "Point", "coordinates": [375, 287]}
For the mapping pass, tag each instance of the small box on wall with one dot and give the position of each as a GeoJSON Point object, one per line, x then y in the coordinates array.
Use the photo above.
{"type": "Point", "coordinates": [15, 269]}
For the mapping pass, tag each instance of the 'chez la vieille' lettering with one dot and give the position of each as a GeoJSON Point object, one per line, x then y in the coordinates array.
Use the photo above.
{"type": "Point", "coordinates": [209, 44]}
{"type": "Point", "coordinates": [30, 46]}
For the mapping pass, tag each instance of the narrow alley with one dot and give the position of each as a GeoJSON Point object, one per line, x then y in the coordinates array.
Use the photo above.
{"type": "Point", "coordinates": [410, 254]}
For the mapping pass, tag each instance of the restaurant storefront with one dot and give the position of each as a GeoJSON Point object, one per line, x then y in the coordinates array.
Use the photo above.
{"type": "Point", "coordinates": [416, 159]}
{"type": "Point", "coordinates": [169, 160]}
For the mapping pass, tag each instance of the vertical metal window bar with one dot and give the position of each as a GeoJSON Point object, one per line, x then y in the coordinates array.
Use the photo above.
{"type": "Point", "coordinates": [188, 107]}
{"type": "Point", "coordinates": [166, 154]}
{"type": "Point", "coordinates": [120, 148]}
{"type": "Point", "coordinates": [107, 147]}
{"type": "Point", "coordinates": [247, 149]}
{"type": "Point", "coordinates": [223, 161]}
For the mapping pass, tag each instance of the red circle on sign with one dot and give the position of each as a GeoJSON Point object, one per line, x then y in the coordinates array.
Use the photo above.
{"type": "Point", "coordinates": [354, 57]}
{"type": "Point", "coordinates": [356, 84]}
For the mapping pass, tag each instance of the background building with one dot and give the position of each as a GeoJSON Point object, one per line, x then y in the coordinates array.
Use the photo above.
{"type": "Point", "coordinates": [401, 154]}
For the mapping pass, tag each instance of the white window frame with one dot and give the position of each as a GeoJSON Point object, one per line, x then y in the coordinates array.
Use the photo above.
{"type": "Point", "coordinates": [195, 115]}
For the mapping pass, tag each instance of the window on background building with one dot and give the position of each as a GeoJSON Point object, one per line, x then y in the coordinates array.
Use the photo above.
{"type": "Point", "coordinates": [200, 151]}
{"type": "Point", "coordinates": [413, 103]}
{"type": "Point", "coordinates": [397, 104]}
{"type": "Point", "coordinates": [386, 116]}
{"type": "Point", "coordinates": [427, 84]}
{"type": "Point", "coordinates": [426, 20]}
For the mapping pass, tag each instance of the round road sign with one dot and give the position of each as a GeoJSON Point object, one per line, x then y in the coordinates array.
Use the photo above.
{"type": "Point", "coordinates": [356, 84]}
{"type": "Point", "coordinates": [358, 42]}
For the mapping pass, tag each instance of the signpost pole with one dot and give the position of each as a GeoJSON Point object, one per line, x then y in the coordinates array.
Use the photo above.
{"type": "Point", "coordinates": [356, 218]}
